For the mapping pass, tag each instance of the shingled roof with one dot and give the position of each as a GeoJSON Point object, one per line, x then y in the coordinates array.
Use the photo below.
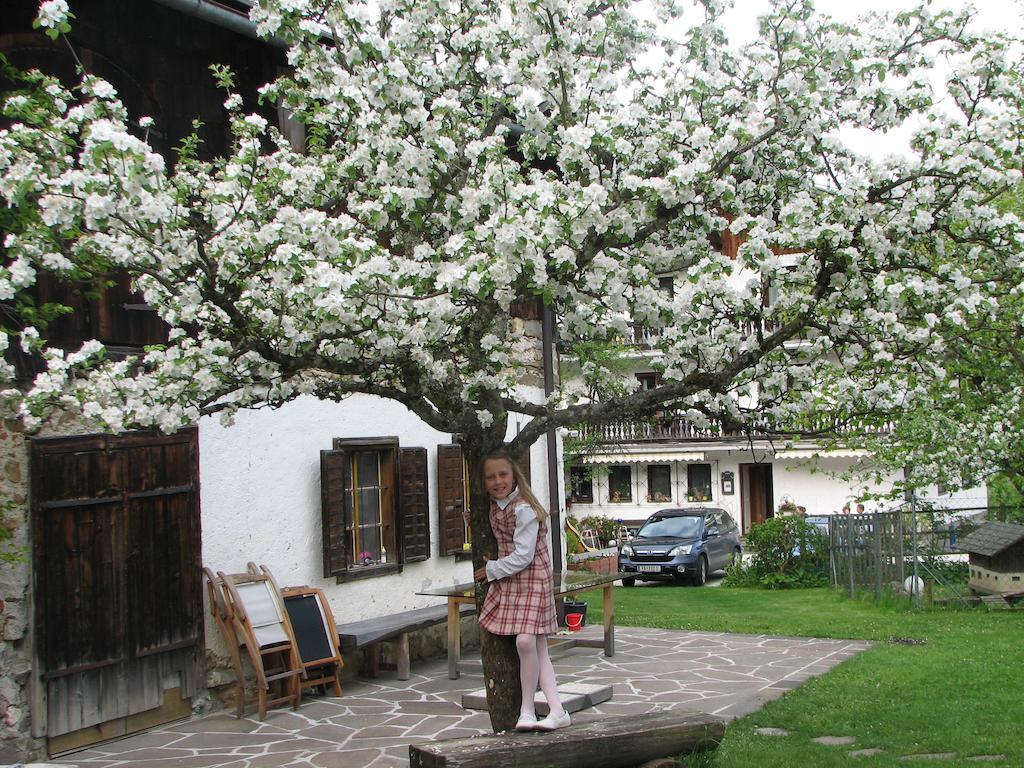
{"type": "Point", "coordinates": [992, 538]}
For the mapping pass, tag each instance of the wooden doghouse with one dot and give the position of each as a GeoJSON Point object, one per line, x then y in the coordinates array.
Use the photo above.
{"type": "Point", "coordinates": [996, 555]}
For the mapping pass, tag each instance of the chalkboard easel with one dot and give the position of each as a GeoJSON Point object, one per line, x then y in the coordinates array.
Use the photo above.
{"type": "Point", "coordinates": [316, 635]}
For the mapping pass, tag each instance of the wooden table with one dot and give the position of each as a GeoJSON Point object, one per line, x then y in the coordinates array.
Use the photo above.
{"type": "Point", "coordinates": [567, 584]}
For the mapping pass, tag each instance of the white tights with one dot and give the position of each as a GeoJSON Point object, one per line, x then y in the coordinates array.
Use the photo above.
{"type": "Point", "coordinates": [535, 667]}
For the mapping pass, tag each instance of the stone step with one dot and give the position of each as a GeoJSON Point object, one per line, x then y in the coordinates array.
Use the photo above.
{"type": "Point", "coordinates": [574, 697]}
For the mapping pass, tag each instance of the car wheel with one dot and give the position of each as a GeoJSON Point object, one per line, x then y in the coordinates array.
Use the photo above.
{"type": "Point", "coordinates": [700, 576]}
{"type": "Point", "coordinates": [736, 556]}
{"type": "Point", "coordinates": [629, 581]}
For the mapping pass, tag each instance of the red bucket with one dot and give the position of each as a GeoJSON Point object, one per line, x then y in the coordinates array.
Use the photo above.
{"type": "Point", "coordinates": [574, 621]}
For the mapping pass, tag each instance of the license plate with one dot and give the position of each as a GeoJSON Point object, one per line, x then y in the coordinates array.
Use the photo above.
{"type": "Point", "coordinates": [649, 568]}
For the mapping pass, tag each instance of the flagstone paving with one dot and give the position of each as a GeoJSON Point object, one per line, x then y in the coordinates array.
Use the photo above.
{"type": "Point", "coordinates": [375, 721]}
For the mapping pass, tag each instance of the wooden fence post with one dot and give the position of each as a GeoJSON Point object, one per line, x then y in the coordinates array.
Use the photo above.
{"type": "Point", "coordinates": [849, 549]}
{"type": "Point", "coordinates": [877, 523]}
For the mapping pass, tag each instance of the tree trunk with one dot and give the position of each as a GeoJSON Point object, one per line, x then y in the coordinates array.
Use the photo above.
{"type": "Point", "coordinates": [497, 652]}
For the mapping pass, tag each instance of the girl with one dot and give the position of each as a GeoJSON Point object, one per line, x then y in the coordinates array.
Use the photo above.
{"type": "Point", "coordinates": [519, 601]}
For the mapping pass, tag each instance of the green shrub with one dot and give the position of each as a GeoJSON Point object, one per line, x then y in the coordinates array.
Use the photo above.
{"type": "Point", "coordinates": [787, 553]}
{"type": "Point", "coordinates": [572, 542]}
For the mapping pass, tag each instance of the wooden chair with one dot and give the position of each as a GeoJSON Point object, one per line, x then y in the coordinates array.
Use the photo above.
{"type": "Point", "coordinates": [259, 622]}
{"type": "Point", "coordinates": [221, 612]}
{"type": "Point", "coordinates": [317, 636]}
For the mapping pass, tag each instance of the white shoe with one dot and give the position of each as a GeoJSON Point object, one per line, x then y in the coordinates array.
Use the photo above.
{"type": "Point", "coordinates": [526, 722]}
{"type": "Point", "coordinates": [553, 722]}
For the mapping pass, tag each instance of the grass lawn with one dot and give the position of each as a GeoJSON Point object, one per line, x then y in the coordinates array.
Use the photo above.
{"type": "Point", "coordinates": [960, 691]}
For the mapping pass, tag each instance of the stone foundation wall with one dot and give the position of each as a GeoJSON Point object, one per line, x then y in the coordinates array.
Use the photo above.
{"type": "Point", "coordinates": [16, 742]}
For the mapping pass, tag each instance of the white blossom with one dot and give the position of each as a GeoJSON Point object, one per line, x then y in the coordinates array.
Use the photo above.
{"type": "Point", "coordinates": [52, 13]}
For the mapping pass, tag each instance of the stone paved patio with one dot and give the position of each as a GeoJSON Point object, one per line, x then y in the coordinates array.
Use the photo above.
{"type": "Point", "coordinates": [372, 725]}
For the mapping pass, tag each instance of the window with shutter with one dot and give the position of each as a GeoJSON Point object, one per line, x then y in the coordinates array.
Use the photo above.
{"type": "Point", "coordinates": [413, 505]}
{"type": "Point", "coordinates": [452, 494]}
{"type": "Point", "coordinates": [359, 507]}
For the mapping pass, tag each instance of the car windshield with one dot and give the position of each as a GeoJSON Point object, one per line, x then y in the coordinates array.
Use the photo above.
{"type": "Point", "coordinates": [681, 526]}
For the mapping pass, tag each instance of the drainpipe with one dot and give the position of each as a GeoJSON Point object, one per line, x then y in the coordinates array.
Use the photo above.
{"type": "Point", "coordinates": [554, 497]}
{"type": "Point", "coordinates": [221, 16]}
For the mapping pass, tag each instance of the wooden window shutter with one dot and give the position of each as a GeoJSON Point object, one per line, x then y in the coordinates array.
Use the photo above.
{"type": "Point", "coordinates": [333, 465]}
{"type": "Point", "coordinates": [413, 505]}
{"type": "Point", "coordinates": [451, 498]}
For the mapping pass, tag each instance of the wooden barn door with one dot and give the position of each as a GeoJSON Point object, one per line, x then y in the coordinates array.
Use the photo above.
{"type": "Point", "coordinates": [116, 542]}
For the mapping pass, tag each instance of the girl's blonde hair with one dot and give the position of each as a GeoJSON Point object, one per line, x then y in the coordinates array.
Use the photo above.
{"type": "Point", "coordinates": [525, 492]}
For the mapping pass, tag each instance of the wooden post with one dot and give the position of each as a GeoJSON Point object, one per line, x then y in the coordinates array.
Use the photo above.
{"type": "Point", "coordinates": [876, 522]}
{"type": "Point", "coordinates": [454, 639]}
{"type": "Point", "coordinates": [849, 549]}
{"type": "Point", "coordinates": [901, 570]}
{"type": "Point", "coordinates": [618, 742]}
{"type": "Point", "coordinates": [609, 620]}
{"type": "Point", "coordinates": [401, 647]}
{"type": "Point", "coordinates": [372, 656]}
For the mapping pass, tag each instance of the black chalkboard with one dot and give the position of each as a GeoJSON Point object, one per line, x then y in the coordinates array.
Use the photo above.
{"type": "Point", "coordinates": [310, 627]}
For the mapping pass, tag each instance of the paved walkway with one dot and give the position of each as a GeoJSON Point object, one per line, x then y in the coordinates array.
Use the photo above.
{"type": "Point", "coordinates": [373, 723]}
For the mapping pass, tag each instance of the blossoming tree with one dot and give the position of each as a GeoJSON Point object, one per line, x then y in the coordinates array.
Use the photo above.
{"type": "Point", "coordinates": [463, 156]}
{"type": "Point", "coordinates": [968, 424]}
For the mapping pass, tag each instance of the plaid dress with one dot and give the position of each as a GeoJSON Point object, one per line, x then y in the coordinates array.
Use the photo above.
{"type": "Point", "coordinates": [523, 602]}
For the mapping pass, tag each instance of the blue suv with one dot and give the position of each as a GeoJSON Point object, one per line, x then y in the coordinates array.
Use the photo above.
{"type": "Point", "coordinates": [675, 544]}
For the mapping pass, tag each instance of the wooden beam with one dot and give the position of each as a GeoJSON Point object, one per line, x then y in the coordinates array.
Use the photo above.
{"type": "Point", "coordinates": [617, 742]}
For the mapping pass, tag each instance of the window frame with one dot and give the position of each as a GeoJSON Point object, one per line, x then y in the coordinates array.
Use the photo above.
{"type": "Point", "coordinates": [648, 380]}
{"type": "Point", "coordinates": [650, 483]}
{"type": "Point", "coordinates": [587, 480]}
{"type": "Point", "coordinates": [389, 481]}
{"type": "Point", "coordinates": [611, 490]}
{"type": "Point", "coordinates": [691, 486]}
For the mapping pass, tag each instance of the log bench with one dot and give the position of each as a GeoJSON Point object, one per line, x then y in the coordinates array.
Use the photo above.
{"type": "Point", "coordinates": [611, 742]}
{"type": "Point", "coordinates": [394, 629]}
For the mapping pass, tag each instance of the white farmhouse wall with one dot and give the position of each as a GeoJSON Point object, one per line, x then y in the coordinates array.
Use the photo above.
{"type": "Point", "coordinates": [821, 488]}
{"type": "Point", "coordinates": [260, 496]}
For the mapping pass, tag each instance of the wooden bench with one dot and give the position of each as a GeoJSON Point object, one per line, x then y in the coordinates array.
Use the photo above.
{"type": "Point", "coordinates": [393, 629]}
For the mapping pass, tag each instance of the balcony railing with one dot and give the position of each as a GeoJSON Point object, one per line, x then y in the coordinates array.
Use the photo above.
{"type": "Point", "coordinates": [677, 427]}
{"type": "Point", "coordinates": [646, 337]}
{"type": "Point", "coordinates": [666, 428]}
